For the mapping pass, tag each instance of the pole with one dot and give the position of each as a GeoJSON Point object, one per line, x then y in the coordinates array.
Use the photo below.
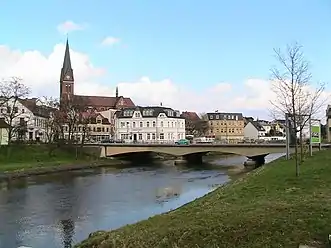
{"type": "Point", "coordinates": [287, 126]}
{"type": "Point", "coordinates": [310, 138]}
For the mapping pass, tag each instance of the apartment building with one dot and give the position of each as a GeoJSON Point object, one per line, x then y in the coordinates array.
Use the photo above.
{"type": "Point", "coordinates": [149, 124]}
{"type": "Point", "coordinates": [226, 126]}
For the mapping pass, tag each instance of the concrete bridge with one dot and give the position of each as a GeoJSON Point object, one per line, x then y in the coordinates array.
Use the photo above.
{"type": "Point", "coordinates": [195, 152]}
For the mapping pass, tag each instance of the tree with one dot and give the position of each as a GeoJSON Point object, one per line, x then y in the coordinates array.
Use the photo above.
{"type": "Point", "coordinates": [295, 94]}
{"type": "Point", "coordinates": [196, 127]}
{"type": "Point", "coordinates": [11, 92]}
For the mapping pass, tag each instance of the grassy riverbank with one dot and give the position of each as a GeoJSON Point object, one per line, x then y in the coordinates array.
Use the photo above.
{"type": "Point", "coordinates": [270, 207]}
{"type": "Point", "coordinates": [27, 157]}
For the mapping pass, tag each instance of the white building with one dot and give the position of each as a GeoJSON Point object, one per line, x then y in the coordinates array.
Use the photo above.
{"type": "Point", "coordinates": [253, 130]}
{"type": "Point", "coordinates": [149, 124]}
{"type": "Point", "coordinates": [28, 115]}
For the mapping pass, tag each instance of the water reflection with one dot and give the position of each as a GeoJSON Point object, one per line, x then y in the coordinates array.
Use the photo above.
{"type": "Point", "coordinates": [57, 210]}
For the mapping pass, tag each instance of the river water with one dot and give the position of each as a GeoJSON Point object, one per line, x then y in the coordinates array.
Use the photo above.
{"type": "Point", "coordinates": [58, 210]}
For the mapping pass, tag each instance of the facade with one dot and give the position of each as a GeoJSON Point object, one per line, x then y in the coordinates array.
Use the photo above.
{"type": "Point", "coordinates": [149, 124]}
{"type": "Point", "coordinates": [98, 103]}
{"type": "Point", "coordinates": [254, 130]}
{"type": "Point", "coordinates": [3, 132]}
{"type": "Point", "coordinates": [226, 126]}
{"type": "Point", "coordinates": [328, 123]}
{"type": "Point", "coordinates": [28, 119]}
{"type": "Point", "coordinates": [95, 128]}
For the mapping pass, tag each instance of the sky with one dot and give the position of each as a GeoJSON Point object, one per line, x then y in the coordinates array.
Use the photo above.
{"type": "Point", "coordinates": [190, 55]}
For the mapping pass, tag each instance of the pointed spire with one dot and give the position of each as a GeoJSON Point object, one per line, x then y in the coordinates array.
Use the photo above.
{"type": "Point", "coordinates": [116, 91]}
{"type": "Point", "coordinates": [67, 72]}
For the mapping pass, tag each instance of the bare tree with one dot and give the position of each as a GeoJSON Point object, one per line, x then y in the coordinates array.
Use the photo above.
{"type": "Point", "coordinates": [11, 92]}
{"type": "Point", "coordinates": [294, 91]}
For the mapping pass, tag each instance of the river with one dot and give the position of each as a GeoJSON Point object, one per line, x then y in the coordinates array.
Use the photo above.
{"type": "Point", "coordinates": [58, 210]}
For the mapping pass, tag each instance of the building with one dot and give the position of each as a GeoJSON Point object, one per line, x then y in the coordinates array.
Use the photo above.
{"type": "Point", "coordinates": [4, 128]}
{"type": "Point", "coordinates": [328, 123]}
{"type": "Point", "coordinates": [27, 118]}
{"type": "Point", "coordinates": [254, 130]}
{"type": "Point", "coordinates": [228, 126]}
{"type": "Point", "coordinates": [98, 103]}
{"type": "Point", "coordinates": [191, 116]}
{"type": "Point", "coordinates": [149, 124]}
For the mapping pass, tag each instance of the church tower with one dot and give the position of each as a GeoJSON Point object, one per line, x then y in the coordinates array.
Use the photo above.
{"type": "Point", "coordinates": [67, 77]}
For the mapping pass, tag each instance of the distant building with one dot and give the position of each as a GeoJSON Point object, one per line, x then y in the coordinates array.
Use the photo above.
{"type": "Point", "coordinates": [191, 116]}
{"type": "Point", "coordinates": [328, 123]}
{"type": "Point", "coordinates": [3, 132]}
{"type": "Point", "coordinates": [254, 130]}
{"type": "Point", "coordinates": [96, 128]}
{"type": "Point", "coordinates": [28, 119]}
{"type": "Point", "coordinates": [149, 124]}
{"type": "Point", "coordinates": [99, 103]}
{"type": "Point", "coordinates": [229, 126]}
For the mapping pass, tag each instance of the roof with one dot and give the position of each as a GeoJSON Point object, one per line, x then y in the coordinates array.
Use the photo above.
{"type": "Point", "coordinates": [4, 124]}
{"type": "Point", "coordinates": [148, 112]}
{"type": "Point", "coordinates": [67, 73]}
{"type": "Point", "coordinates": [105, 101]}
{"type": "Point", "coordinates": [257, 125]}
{"type": "Point", "coordinates": [225, 116]}
{"type": "Point", "coordinates": [37, 110]}
{"type": "Point", "coordinates": [192, 116]}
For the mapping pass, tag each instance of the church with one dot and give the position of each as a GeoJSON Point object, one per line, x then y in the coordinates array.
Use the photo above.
{"type": "Point", "coordinates": [99, 103]}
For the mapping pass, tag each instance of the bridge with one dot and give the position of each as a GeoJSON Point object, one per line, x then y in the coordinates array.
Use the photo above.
{"type": "Point", "coordinates": [195, 152]}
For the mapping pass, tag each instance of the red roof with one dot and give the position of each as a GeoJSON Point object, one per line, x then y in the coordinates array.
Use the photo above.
{"type": "Point", "coordinates": [193, 116]}
{"type": "Point", "coordinates": [106, 101]}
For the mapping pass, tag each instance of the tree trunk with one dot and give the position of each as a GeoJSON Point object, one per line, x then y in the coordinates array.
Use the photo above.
{"type": "Point", "coordinates": [301, 148]}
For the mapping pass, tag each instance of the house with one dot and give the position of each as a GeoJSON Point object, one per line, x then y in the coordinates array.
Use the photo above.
{"type": "Point", "coordinates": [92, 127]}
{"type": "Point", "coordinates": [254, 130]}
{"type": "Point", "coordinates": [328, 123]}
{"type": "Point", "coordinates": [98, 103]}
{"type": "Point", "coordinates": [192, 116]}
{"type": "Point", "coordinates": [110, 114]}
{"type": "Point", "coordinates": [27, 119]}
{"type": "Point", "coordinates": [149, 124]}
{"type": "Point", "coordinates": [228, 126]}
{"type": "Point", "coordinates": [3, 132]}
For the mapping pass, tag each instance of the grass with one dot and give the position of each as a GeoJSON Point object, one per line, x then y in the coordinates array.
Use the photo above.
{"type": "Point", "coordinates": [269, 207]}
{"type": "Point", "coordinates": [24, 157]}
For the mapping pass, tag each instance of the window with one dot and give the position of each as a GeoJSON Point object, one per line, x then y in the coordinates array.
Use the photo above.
{"type": "Point", "coordinates": [122, 124]}
{"type": "Point", "coordinates": [99, 121]}
{"type": "Point", "coordinates": [147, 124]}
{"type": "Point", "coordinates": [140, 136]}
{"type": "Point", "coordinates": [141, 124]}
{"type": "Point", "coordinates": [137, 115]}
{"type": "Point", "coordinates": [153, 136]}
{"type": "Point", "coordinates": [162, 136]}
{"type": "Point", "coordinates": [211, 117]}
{"type": "Point", "coordinates": [148, 136]}
{"type": "Point", "coordinates": [161, 123]}
{"type": "Point", "coordinates": [23, 111]}
{"type": "Point", "coordinates": [127, 124]}
{"type": "Point", "coordinates": [217, 116]}
{"type": "Point", "coordinates": [15, 109]}
{"type": "Point", "coordinates": [98, 129]}
{"type": "Point", "coordinates": [8, 110]}
{"type": "Point", "coordinates": [94, 129]}
{"type": "Point", "coordinates": [154, 123]}
{"type": "Point", "coordinates": [107, 129]}
{"type": "Point", "coordinates": [103, 129]}
{"type": "Point", "coordinates": [134, 124]}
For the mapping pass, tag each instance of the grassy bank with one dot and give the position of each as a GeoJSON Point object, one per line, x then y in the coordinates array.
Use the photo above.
{"type": "Point", "coordinates": [270, 207]}
{"type": "Point", "coordinates": [25, 157]}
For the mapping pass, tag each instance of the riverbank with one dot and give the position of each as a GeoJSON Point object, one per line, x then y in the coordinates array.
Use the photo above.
{"type": "Point", "coordinates": [27, 160]}
{"type": "Point", "coordinates": [269, 207]}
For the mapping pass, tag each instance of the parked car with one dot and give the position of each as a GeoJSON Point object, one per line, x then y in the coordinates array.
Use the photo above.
{"type": "Point", "coordinates": [182, 142]}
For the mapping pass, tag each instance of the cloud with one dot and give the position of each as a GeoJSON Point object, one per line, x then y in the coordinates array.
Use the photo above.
{"type": "Point", "coordinates": [69, 26]}
{"type": "Point", "coordinates": [109, 41]}
{"type": "Point", "coordinates": [42, 72]}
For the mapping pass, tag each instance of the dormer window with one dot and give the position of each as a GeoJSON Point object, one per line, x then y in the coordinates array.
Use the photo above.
{"type": "Point", "coordinates": [211, 117]}
{"type": "Point", "coordinates": [217, 116]}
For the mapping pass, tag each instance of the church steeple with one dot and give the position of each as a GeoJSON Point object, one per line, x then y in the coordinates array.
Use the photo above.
{"type": "Point", "coordinates": [67, 73]}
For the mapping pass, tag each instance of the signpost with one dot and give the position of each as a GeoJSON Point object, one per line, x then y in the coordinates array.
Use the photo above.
{"type": "Point", "coordinates": [314, 134]}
